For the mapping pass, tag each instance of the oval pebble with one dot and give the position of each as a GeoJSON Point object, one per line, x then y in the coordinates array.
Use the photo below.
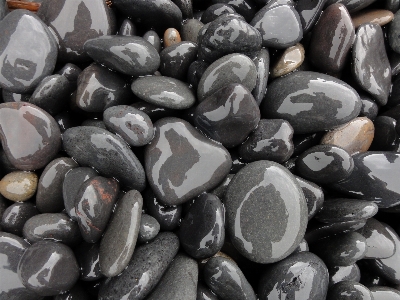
{"type": "Point", "coordinates": [344, 273]}
{"type": "Point", "coordinates": [309, 12]}
{"type": "Point", "coordinates": [152, 37]}
{"type": "Point", "coordinates": [171, 37]}
{"type": "Point", "coordinates": [385, 293]}
{"type": "Point", "coordinates": [349, 290]}
{"type": "Point", "coordinates": [289, 61]}
{"type": "Point", "coordinates": [127, 28]}
{"type": "Point", "coordinates": [261, 61]}
{"type": "Point", "coordinates": [190, 30]}
{"type": "Point", "coordinates": [14, 217]}
{"type": "Point", "coordinates": [149, 228]}
{"type": "Point", "coordinates": [204, 293]}
{"type": "Point", "coordinates": [380, 17]}
{"type": "Point", "coordinates": [394, 30]}
{"type": "Point", "coordinates": [19, 185]}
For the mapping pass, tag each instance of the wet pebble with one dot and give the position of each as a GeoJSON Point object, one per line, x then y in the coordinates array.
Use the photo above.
{"type": "Point", "coordinates": [128, 28]}
{"type": "Point", "coordinates": [190, 30]}
{"type": "Point", "coordinates": [88, 258]}
{"type": "Point", "coordinates": [152, 37]}
{"type": "Point", "coordinates": [394, 32]}
{"type": "Point", "coordinates": [261, 61]}
{"type": "Point", "coordinates": [344, 273]}
{"type": "Point", "coordinates": [386, 137]}
{"type": "Point", "coordinates": [385, 293]}
{"type": "Point", "coordinates": [149, 228]}
{"type": "Point", "coordinates": [352, 5]}
{"type": "Point", "coordinates": [176, 59]}
{"type": "Point", "coordinates": [19, 186]}
{"type": "Point", "coordinates": [380, 17]}
{"type": "Point", "coordinates": [289, 61]}
{"type": "Point", "coordinates": [14, 217]}
{"type": "Point", "coordinates": [313, 194]}
{"type": "Point", "coordinates": [195, 72]}
{"type": "Point", "coordinates": [309, 12]}
{"type": "Point", "coordinates": [14, 97]}
{"type": "Point", "coordinates": [171, 37]}
{"type": "Point", "coordinates": [70, 71]}
{"type": "Point", "coordinates": [204, 293]}
{"type": "Point", "coordinates": [3, 9]}
{"type": "Point", "coordinates": [349, 290]}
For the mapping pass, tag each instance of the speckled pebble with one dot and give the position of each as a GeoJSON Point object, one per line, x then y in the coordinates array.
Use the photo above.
{"type": "Point", "coordinates": [19, 185]}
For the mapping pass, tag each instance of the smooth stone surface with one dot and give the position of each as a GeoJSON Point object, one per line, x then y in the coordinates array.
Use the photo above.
{"type": "Point", "coordinates": [352, 5]}
{"type": "Point", "coordinates": [186, 7]}
{"type": "Point", "coordinates": [344, 273]}
{"type": "Point", "coordinates": [289, 61]}
{"type": "Point", "coordinates": [355, 136]}
{"type": "Point", "coordinates": [394, 30]}
{"type": "Point", "coordinates": [280, 26]}
{"type": "Point", "coordinates": [71, 185]}
{"type": "Point", "coordinates": [119, 240]}
{"type": "Point", "coordinates": [12, 248]}
{"type": "Point", "coordinates": [190, 30]}
{"type": "Point", "coordinates": [48, 268]}
{"type": "Point", "coordinates": [225, 279]}
{"type": "Point", "coordinates": [386, 137]}
{"type": "Point", "coordinates": [87, 255]}
{"type": "Point", "coordinates": [128, 28]}
{"type": "Point", "coordinates": [300, 276]}
{"type": "Point", "coordinates": [349, 290]}
{"type": "Point", "coordinates": [232, 106]}
{"type": "Point", "coordinates": [152, 37]}
{"type": "Point", "coordinates": [385, 293]}
{"type": "Point", "coordinates": [148, 229]}
{"type": "Point", "coordinates": [56, 227]}
{"type": "Point", "coordinates": [70, 71]}
{"type": "Point", "coordinates": [171, 37]}
{"type": "Point", "coordinates": [392, 5]}
{"type": "Point", "coordinates": [374, 178]}
{"type": "Point", "coordinates": [311, 101]}
{"type": "Point", "coordinates": [129, 55]}
{"type": "Point", "coordinates": [105, 152]}
{"type": "Point", "coordinates": [261, 61]}
{"type": "Point", "coordinates": [75, 22]}
{"type": "Point", "coordinates": [271, 140]}
{"type": "Point", "coordinates": [29, 135]}
{"type": "Point", "coordinates": [369, 107]}
{"type": "Point", "coordinates": [325, 164]}
{"type": "Point", "coordinates": [314, 196]}
{"type": "Point", "coordinates": [14, 217]}
{"type": "Point", "coordinates": [232, 68]}
{"type": "Point", "coordinates": [195, 72]}
{"type": "Point", "coordinates": [23, 65]}
{"type": "Point", "coordinates": [204, 293]}
{"type": "Point", "coordinates": [309, 12]}
{"type": "Point", "coordinates": [332, 38]}
{"type": "Point", "coordinates": [371, 67]}
{"type": "Point", "coordinates": [380, 17]}
{"type": "Point", "coordinates": [164, 91]}
{"type": "Point", "coordinates": [93, 206]}
{"type": "Point", "coordinates": [215, 10]}
{"type": "Point", "coordinates": [266, 212]}
{"type": "Point", "coordinates": [202, 230]}
{"type": "Point", "coordinates": [192, 164]}
{"type": "Point", "coordinates": [49, 197]}
{"type": "Point", "coordinates": [19, 186]}
{"type": "Point", "coordinates": [246, 8]}
{"type": "Point", "coordinates": [145, 269]}
{"type": "Point", "coordinates": [179, 281]}
{"type": "Point", "coordinates": [133, 125]}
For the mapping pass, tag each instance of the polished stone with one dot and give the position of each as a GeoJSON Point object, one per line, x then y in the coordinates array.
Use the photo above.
{"type": "Point", "coordinates": [380, 17]}
{"type": "Point", "coordinates": [171, 37]}
{"type": "Point", "coordinates": [289, 61]}
{"type": "Point", "coordinates": [349, 290]}
{"type": "Point", "coordinates": [309, 12]}
{"type": "Point", "coordinates": [314, 196]}
{"type": "Point", "coordinates": [176, 59]}
{"type": "Point", "coordinates": [14, 217]}
{"type": "Point", "coordinates": [262, 62]}
{"type": "Point", "coordinates": [19, 186]}
{"type": "Point", "coordinates": [149, 228]}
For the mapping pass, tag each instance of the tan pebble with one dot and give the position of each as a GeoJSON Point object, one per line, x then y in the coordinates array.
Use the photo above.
{"type": "Point", "coordinates": [171, 37]}
{"type": "Point", "coordinates": [290, 60]}
{"type": "Point", "coordinates": [19, 185]}
{"type": "Point", "coordinates": [355, 136]}
{"type": "Point", "coordinates": [376, 16]}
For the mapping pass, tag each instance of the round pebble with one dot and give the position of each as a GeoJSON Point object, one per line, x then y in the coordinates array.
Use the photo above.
{"type": "Point", "coordinates": [19, 185]}
{"type": "Point", "coordinates": [171, 37]}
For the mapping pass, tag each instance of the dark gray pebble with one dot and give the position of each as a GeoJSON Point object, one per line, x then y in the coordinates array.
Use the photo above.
{"type": "Point", "coordinates": [392, 5]}
{"type": "Point", "coordinates": [318, 231]}
{"type": "Point", "coordinates": [155, 112]}
{"type": "Point", "coordinates": [394, 32]}
{"type": "Point", "coordinates": [314, 196]}
{"type": "Point", "coordinates": [369, 107]}
{"type": "Point", "coordinates": [3, 9]}
{"type": "Point", "coordinates": [385, 136]}
{"type": "Point", "coordinates": [261, 61]}
{"type": "Point", "coordinates": [195, 72]}
{"type": "Point", "coordinates": [342, 273]}
{"type": "Point", "coordinates": [246, 8]}
{"type": "Point", "coordinates": [153, 38]}
{"type": "Point", "coordinates": [309, 12]}
{"type": "Point", "coordinates": [214, 11]}
{"type": "Point", "coordinates": [149, 228]}
{"type": "Point", "coordinates": [94, 123]}
{"type": "Point", "coordinates": [204, 293]}
{"type": "Point", "coordinates": [186, 7]}
{"type": "Point", "coordinates": [176, 59]}
{"type": "Point", "coordinates": [349, 290]}
{"type": "Point", "coordinates": [190, 30]}
{"type": "Point", "coordinates": [385, 293]}
{"type": "Point", "coordinates": [70, 71]}
{"type": "Point", "coordinates": [14, 97]}
{"type": "Point", "coordinates": [128, 28]}
{"type": "Point", "coordinates": [352, 5]}
{"type": "Point", "coordinates": [302, 247]}
{"type": "Point", "coordinates": [88, 258]}
{"type": "Point", "coordinates": [14, 217]}
{"type": "Point", "coordinates": [78, 292]}
{"type": "Point", "coordinates": [220, 190]}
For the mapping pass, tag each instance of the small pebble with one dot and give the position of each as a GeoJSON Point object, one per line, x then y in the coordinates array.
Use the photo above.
{"type": "Point", "coordinates": [149, 228]}
{"type": "Point", "coordinates": [380, 17]}
{"type": "Point", "coordinates": [290, 60]}
{"type": "Point", "coordinates": [88, 258]}
{"type": "Point", "coordinates": [171, 37]}
{"type": "Point", "coordinates": [19, 186]}
{"type": "Point", "coordinates": [14, 217]}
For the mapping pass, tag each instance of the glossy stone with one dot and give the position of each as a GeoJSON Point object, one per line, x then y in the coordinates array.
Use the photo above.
{"type": "Point", "coordinates": [87, 255]}
{"type": "Point", "coordinates": [187, 169]}
{"type": "Point", "coordinates": [392, 5]}
{"type": "Point", "coordinates": [70, 71]}
{"type": "Point", "coordinates": [56, 227]}
{"type": "Point", "coordinates": [75, 22]}
{"type": "Point", "coordinates": [127, 28]}
{"type": "Point", "coordinates": [65, 121]}
{"type": "Point", "coordinates": [271, 140]}
{"type": "Point", "coordinates": [15, 216]}
{"type": "Point", "coordinates": [204, 293]}
{"type": "Point", "coordinates": [386, 137]}
{"type": "Point", "coordinates": [93, 206]}
{"type": "Point", "coordinates": [349, 290]}
{"type": "Point", "coordinates": [303, 142]}
{"type": "Point", "coordinates": [313, 194]}
{"type": "Point", "coordinates": [195, 72]}
{"type": "Point", "coordinates": [14, 97]}
{"type": "Point", "coordinates": [107, 153]}
{"type": "Point", "coordinates": [325, 164]}
{"type": "Point", "coordinates": [148, 229]}
{"type": "Point", "coordinates": [311, 101]}
{"type": "Point", "coordinates": [145, 269]}
{"type": "Point", "coordinates": [49, 197]}
{"type": "Point", "coordinates": [309, 12]}
{"type": "Point", "coordinates": [48, 268]}
{"type": "Point", "coordinates": [155, 112]}
{"type": "Point", "coordinates": [261, 61]}
{"type": "Point", "coordinates": [133, 125]}
{"type": "Point", "coordinates": [130, 55]}
{"type": "Point", "coordinates": [202, 230]}
{"type": "Point", "coordinates": [385, 293]}
{"type": "Point", "coordinates": [374, 178]}
{"type": "Point", "coordinates": [225, 279]}
{"type": "Point", "coordinates": [280, 26]}
{"type": "Point", "coordinates": [190, 30]}
{"type": "Point", "coordinates": [30, 136]}
{"type": "Point", "coordinates": [369, 108]}
{"type": "Point", "coordinates": [232, 68]}
{"type": "Point", "coordinates": [18, 185]}
{"type": "Point", "coordinates": [171, 37]}
{"type": "Point", "coordinates": [344, 273]}
{"type": "Point", "coordinates": [380, 17]}
{"type": "Point", "coordinates": [290, 60]}
{"type": "Point", "coordinates": [352, 5]}
{"type": "Point", "coordinates": [119, 240]}
{"type": "Point", "coordinates": [152, 37]}
{"type": "Point", "coordinates": [246, 8]}
{"type": "Point", "coordinates": [300, 276]}
{"type": "Point", "coordinates": [23, 66]}
{"type": "Point", "coordinates": [214, 11]}
{"type": "Point", "coordinates": [71, 185]}
{"type": "Point", "coordinates": [164, 91]}
{"type": "Point", "coordinates": [266, 212]}
{"type": "Point", "coordinates": [176, 59]}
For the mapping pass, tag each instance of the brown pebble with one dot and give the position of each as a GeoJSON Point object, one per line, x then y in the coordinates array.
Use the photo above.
{"type": "Point", "coordinates": [290, 60]}
{"type": "Point", "coordinates": [355, 136]}
{"type": "Point", "coordinates": [19, 185]}
{"type": "Point", "coordinates": [376, 16]}
{"type": "Point", "coordinates": [171, 37]}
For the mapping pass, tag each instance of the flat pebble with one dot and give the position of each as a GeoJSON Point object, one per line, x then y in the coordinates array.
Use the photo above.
{"type": "Point", "coordinates": [149, 228]}
{"type": "Point", "coordinates": [19, 186]}
{"type": "Point", "coordinates": [349, 290]}
{"type": "Point", "coordinates": [289, 61]}
{"type": "Point", "coordinates": [14, 217]}
{"type": "Point", "coordinates": [171, 37]}
{"type": "Point", "coordinates": [344, 273]}
{"type": "Point", "coordinates": [380, 17]}
{"type": "Point", "coordinates": [176, 59]}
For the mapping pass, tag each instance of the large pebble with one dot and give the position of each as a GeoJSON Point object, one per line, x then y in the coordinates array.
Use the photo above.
{"type": "Point", "coordinates": [14, 217]}
{"type": "Point", "coordinates": [107, 153]}
{"type": "Point", "coordinates": [311, 101]}
{"type": "Point", "coordinates": [181, 163]}
{"type": "Point", "coordinates": [266, 212]}
{"type": "Point", "coordinates": [349, 290]}
{"type": "Point", "coordinates": [18, 185]}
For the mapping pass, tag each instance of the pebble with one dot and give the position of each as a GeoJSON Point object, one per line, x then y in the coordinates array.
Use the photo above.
{"type": "Point", "coordinates": [149, 262]}
{"type": "Point", "coordinates": [394, 31]}
{"type": "Point", "coordinates": [226, 280]}
{"type": "Point", "coordinates": [289, 61]}
{"type": "Point", "coordinates": [49, 196]}
{"type": "Point", "coordinates": [3, 9]}
{"type": "Point", "coordinates": [129, 55]}
{"type": "Point", "coordinates": [133, 125]}
{"type": "Point", "coordinates": [70, 71]}
{"type": "Point", "coordinates": [195, 72]}
{"type": "Point", "coordinates": [333, 102]}
{"type": "Point", "coordinates": [355, 136]}
{"type": "Point", "coordinates": [88, 258]}
{"type": "Point", "coordinates": [190, 30]}
{"type": "Point", "coordinates": [186, 169]}
{"type": "Point", "coordinates": [176, 59]}
{"type": "Point", "coordinates": [299, 276]}
{"type": "Point", "coordinates": [392, 5]}
{"type": "Point", "coordinates": [369, 108]}
{"type": "Point", "coordinates": [265, 229]}
{"type": "Point", "coordinates": [128, 28]}
{"type": "Point", "coordinates": [152, 37]}
{"type": "Point", "coordinates": [19, 186]}
{"type": "Point", "coordinates": [309, 12]}
{"type": "Point", "coordinates": [204, 293]}
{"type": "Point", "coordinates": [78, 292]}
{"type": "Point", "coordinates": [179, 281]}
{"type": "Point", "coordinates": [14, 97]}
{"type": "Point", "coordinates": [371, 67]}
{"type": "Point", "coordinates": [57, 227]}
{"type": "Point", "coordinates": [325, 164]}
{"type": "Point", "coordinates": [271, 140]}
{"type": "Point", "coordinates": [394, 98]}
{"type": "Point", "coordinates": [93, 206]}
{"type": "Point", "coordinates": [171, 37]}
{"type": "Point", "coordinates": [232, 68]}
{"type": "Point", "coordinates": [216, 10]}
{"type": "Point", "coordinates": [349, 290]}
{"type": "Point", "coordinates": [148, 229]}
{"type": "Point", "coordinates": [14, 217]}
{"type": "Point", "coordinates": [107, 153]}
{"type": "Point", "coordinates": [261, 61]}
{"type": "Point", "coordinates": [313, 194]}
{"type": "Point", "coordinates": [202, 230]}
{"type": "Point", "coordinates": [164, 91]}
{"type": "Point", "coordinates": [384, 293]}
{"type": "Point", "coordinates": [94, 123]}
{"type": "Point", "coordinates": [119, 240]}
{"type": "Point", "coordinates": [48, 268]}
{"type": "Point", "coordinates": [24, 67]}
{"type": "Point", "coordinates": [186, 7]}
{"type": "Point", "coordinates": [232, 106]}
{"type": "Point", "coordinates": [352, 5]}
{"type": "Point", "coordinates": [385, 134]}
{"type": "Point", "coordinates": [344, 273]}
{"type": "Point", "coordinates": [380, 17]}
{"type": "Point", "coordinates": [29, 144]}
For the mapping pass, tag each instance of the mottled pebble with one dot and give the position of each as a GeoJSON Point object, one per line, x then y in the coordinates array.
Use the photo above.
{"type": "Point", "coordinates": [19, 185]}
{"type": "Point", "coordinates": [190, 30]}
{"type": "Point", "coordinates": [149, 228]}
{"type": "Point", "coordinates": [290, 60]}
{"type": "Point", "coordinates": [171, 37]}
